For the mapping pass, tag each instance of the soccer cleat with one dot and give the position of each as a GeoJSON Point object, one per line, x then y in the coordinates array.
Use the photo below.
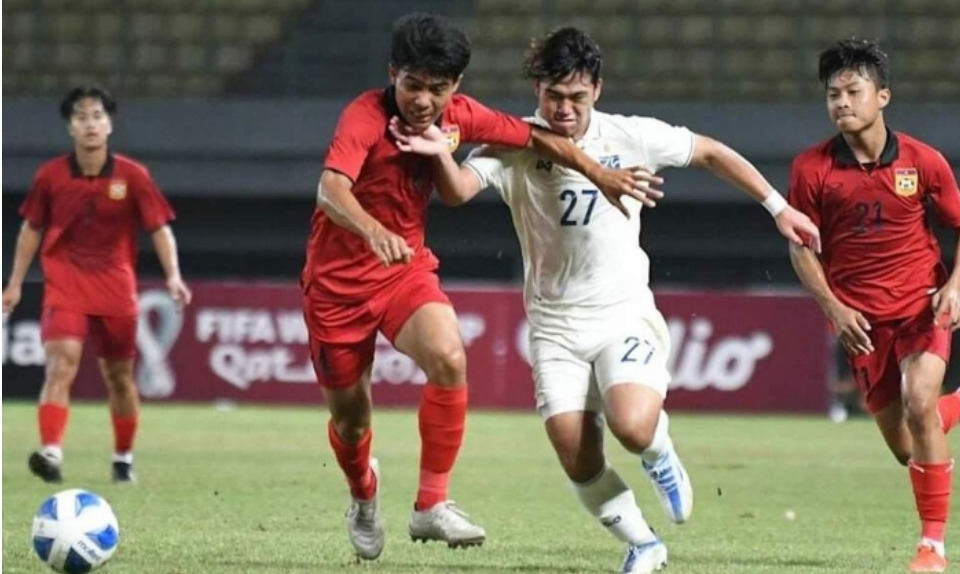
{"type": "Point", "coordinates": [672, 484]}
{"type": "Point", "coordinates": [45, 466]}
{"type": "Point", "coordinates": [364, 523]}
{"type": "Point", "coordinates": [447, 523]}
{"type": "Point", "coordinates": [122, 473]}
{"type": "Point", "coordinates": [645, 558]}
{"type": "Point", "coordinates": [927, 560]}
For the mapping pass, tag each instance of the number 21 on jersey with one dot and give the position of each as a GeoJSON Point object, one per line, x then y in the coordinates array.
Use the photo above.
{"type": "Point", "coordinates": [578, 207]}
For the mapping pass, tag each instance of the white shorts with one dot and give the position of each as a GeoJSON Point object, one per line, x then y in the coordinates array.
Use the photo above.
{"type": "Point", "coordinates": [572, 376]}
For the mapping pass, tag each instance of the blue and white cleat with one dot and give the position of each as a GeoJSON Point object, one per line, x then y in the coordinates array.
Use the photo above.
{"type": "Point", "coordinates": [672, 484]}
{"type": "Point", "coordinates": [645, 558]}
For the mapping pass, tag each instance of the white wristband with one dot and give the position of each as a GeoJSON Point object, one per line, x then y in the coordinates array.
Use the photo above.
{"type": "Point", "coordinates": [774, 203]}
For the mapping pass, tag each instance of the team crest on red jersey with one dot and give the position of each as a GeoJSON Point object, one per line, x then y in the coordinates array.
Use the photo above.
{"type": "Point", "coordinates": [906, 181]}
{"type": "Point", "coordinates": [118, 189]}
{"type": "Point", "coordinates": [452, 133]}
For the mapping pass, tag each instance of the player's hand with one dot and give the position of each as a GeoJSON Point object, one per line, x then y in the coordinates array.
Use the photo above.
{"type": "Point", "coordinates": [795, 225]}
{"type": "Point", "coordinates": [851, 328]}
{"type": "Point", "coordinates": [430, 142]}
{"type": "Point", "coordinates": [179, 292]}
{"type": "Point", "coordinates": [389, 247]}
{"type": "Point", "coordinates": [634, 182]}
{"type": "Point", "coordinates": [11, 298]}
{"type": "Point", "coordinates": [946, 306]}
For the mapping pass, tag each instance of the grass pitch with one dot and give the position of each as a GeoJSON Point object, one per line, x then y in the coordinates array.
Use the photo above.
{"type": "Point", "coordinates": [257, 490]}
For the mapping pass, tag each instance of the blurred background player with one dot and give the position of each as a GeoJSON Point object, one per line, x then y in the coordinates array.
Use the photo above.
{"type": "Point", "coordinates": [368, 269]}
{"type": "Point", "coordinates": [84, 212]}
{"type": "Point", "coordinates": [880, 280]}
{"type": "Point", "coordinates": [599, 345]}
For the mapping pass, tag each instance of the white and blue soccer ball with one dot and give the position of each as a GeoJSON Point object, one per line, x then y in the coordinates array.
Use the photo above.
{"type": "Point", "coordinates": [75, 531]}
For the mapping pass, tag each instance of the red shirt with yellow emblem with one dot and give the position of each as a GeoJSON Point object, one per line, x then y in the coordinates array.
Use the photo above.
{"type": "Point", "coordinates": [90, 227]}
{"type": "Point", "coordinates": [392, 186]}
{"type": "Point", "coordinates": [879, 254]}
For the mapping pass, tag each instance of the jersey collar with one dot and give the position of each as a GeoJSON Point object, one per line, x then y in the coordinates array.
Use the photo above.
{"type": "Point", "coordinates": [844, 155]}
{"type": "Point", "coordinates": [105, 171]}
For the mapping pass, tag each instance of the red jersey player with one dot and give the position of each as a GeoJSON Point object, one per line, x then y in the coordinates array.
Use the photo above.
{"type": "Point", "coordinates": [87, 209]}
{"type": "Point", "coordinates": [880, 280]}
{"type": "Point", "coordinates": [368, 269]}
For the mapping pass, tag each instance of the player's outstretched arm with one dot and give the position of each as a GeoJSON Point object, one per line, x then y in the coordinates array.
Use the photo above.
{"type": "Point", "coordinates": [335, 197]}
{"type": "Point", "coordinates": [849, 324]}
{"type": "Point", "coordinates": [729, 165]}
{"type": "Point", "coordinates": [166, 246]}
{"type": "Point", "coordinates": [636, 182]}
{"type": "Point", "coordinates": [28, 241]}
{"type": "Point", "coordinates": [456, 185]}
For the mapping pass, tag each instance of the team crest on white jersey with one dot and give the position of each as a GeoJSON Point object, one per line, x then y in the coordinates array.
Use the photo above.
{"type": "Point", "coordinates": [906, 181]}
{"type": "Point", "coordinates": [610, 161]}
{"type": "Point", "coordinates": [117, 189]}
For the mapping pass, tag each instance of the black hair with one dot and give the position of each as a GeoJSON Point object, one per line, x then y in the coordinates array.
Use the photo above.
{"type": "Point", "coordinates": [430, 44]}
{"type": "Point", "coordinates": [563, 52]}
{"type": "Point", "coordinates": [82, 92]}
{"type": "Point", "coordinates": [862, 56]}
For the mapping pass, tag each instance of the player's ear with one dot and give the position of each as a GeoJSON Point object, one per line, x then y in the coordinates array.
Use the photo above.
{"type": "Point", "coordinates": [109, 124]}
{"type": "Point", "coordinates": [456, 85]}
{"type": "Point", "coordinates": [392, 73]}
{"type": "Point", "coordinates": [884, 96]}
{"type": "Point", "coordinates": [599, 88]}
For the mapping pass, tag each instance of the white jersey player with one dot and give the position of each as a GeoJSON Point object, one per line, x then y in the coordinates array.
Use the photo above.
{"type": "Point", "coordinates": [599, 347]}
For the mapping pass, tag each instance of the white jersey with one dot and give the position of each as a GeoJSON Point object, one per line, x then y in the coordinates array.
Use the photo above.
{"type": "Point", "coordinates": [581, 256]}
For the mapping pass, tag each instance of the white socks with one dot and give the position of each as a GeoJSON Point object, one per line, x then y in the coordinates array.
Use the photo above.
{"type": "Point", "coordinates": [661, 442]}
{"type": "Point", "coordinates": [608, 499]}
{"type": "Point", "coordinates": [53, 452]}
{"type": "Point", "coordinates": [126, 457]}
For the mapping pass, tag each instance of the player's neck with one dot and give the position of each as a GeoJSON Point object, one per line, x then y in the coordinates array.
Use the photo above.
{"type": "Point", "coordinates": [91, 161]}
{"type": "Point", "coordinates": [867, 145]}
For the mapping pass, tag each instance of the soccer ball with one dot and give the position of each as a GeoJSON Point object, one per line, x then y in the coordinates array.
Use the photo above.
{"type": "Point", "coordinates": [75, 531]}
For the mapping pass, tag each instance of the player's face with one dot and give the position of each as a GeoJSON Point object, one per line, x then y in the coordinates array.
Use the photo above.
{"type": "Point", "coordinates": [566, 105]}
{"type": "Point", "coordinates": [854, 102]}
{"type": "Point", "coordinates": [421, 98]}
{"type": "Point", "coordinates": [90, 124]}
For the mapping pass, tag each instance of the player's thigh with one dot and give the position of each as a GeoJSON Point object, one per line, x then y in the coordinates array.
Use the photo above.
{"type": "Point", "coordinates": [563, 381]}
{"type": "Point", "coordinates": [577, 438]}
{"type": "Point", "coordinates": [877, 374]}
{"type": "Point", "coordinates": [893, 429]}
{"type": "Point", "coordinates": [115, 340]}
{"type": "Point", "coordinates": [342, 339]}
{"type": "Point", "coordinates": [63, 333]}
{"type": "Point", "coordinates": [923, 350]}
{"type": "Point", "coordinates": [420, 322]}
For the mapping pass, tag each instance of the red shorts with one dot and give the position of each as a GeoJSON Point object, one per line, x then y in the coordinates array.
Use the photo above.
{"type": "Point", "coordinates": [115, 337]}
{"type": "Point", "coordinates": [878, 374]}
{"type": "Point", "coordinates": [343, 336]}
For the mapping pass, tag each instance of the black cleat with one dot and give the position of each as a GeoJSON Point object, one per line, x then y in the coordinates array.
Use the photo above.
{"type": "Point", "coordinates": [45, 467]}
{"type": "Point", "coordinates": [123, 473]}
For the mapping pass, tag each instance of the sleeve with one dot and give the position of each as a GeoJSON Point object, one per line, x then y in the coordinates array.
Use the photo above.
{"type": "Point", "coordinates": [357, 131]}
{"type": "Point", "coordinates": [153, 209]}
{"type": "Point", "coordinates": [664, 145]}
{"type": "Point", "coordinates": [943, 192]}
{"type": "Point", "coordinates": [480, 124]}
{"type": "Point", "coordinates": [485, 162]}
{"type": "Point", "coordinates": [36, 207]}
{"type": "Point", "coordinates": [803, 193]}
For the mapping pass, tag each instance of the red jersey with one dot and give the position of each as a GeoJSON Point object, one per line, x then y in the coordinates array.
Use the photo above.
{"type": "Point", "coordinates": [89, 250]}
{"type": "Point", "coordinates": [392, 186]}
{"type": "Point", "coordinates": [879, 255]}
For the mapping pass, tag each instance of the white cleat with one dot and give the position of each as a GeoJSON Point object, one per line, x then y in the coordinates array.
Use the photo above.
{"type": "Point", "coordinates": [645, 558]}
{"type": "Point", "coordinates": [447, 523]}
{"type": "Point", "coordinates": [364, 523]}
{"type": "Point", "coordinates": [672, 484]}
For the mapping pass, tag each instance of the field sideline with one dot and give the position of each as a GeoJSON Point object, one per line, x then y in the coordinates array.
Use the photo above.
{"type": "Point", "coordinates": [256, 490]}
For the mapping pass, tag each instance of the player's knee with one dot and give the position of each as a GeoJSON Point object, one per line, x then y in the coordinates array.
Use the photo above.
{"type": "Point", "coordinates": [446, 364]}
{"type": "Point", "coordinates": [635, 435]}
{"type": "Point", "coordinates": [119, 378]}
{"type": "Point", "coordinates": [921, 414]}
{"type": "Point", "coordinates": [352, 427]}
{"type": "Point", "coordinates": [61, 370]}
{"type": "Point", "coordinates": [579, 466]}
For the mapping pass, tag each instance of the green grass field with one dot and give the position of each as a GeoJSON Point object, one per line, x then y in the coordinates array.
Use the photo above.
{"type": "Point", "coordinates": [257, 490]}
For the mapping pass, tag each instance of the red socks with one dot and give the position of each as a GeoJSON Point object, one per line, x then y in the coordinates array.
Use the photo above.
{"type": "Point", "coordinates": [443, 414]}
{"type": "Point", "coordinates": [949, 409]}
{"type": "Point", "coordinates": [52, 420]}
{"type": "Point", "coordinates": [354, 459]}
{"type": "Point", "coordinates": [124, 431]}
{"type": "Point", "coordinates": [931, 489]}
